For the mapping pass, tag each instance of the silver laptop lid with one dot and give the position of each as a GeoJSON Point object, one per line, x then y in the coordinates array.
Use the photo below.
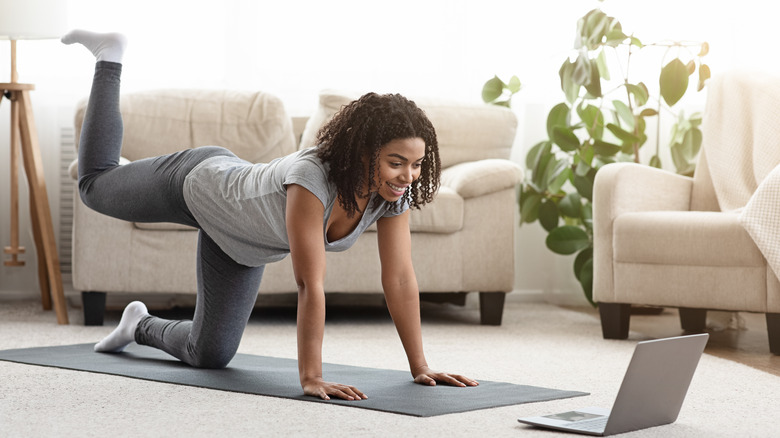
{"type": "Point", "coordinates": [655, 383]}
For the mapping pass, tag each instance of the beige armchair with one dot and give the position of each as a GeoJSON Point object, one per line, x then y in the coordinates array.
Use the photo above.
{"type": "Point", "coordinates": [666, 240]}
{"type": "Point", "coordinates": [461, 242]}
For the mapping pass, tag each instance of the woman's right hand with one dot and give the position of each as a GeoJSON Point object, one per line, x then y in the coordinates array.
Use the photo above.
{"type": "Point", "coordinates": [323, 390]}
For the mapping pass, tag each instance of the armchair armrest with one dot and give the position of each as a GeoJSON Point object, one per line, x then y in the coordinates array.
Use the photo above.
{"type": "Point", "coordinates": [477, 178]}
{"type": "Point", "coordinates": [623, 187]}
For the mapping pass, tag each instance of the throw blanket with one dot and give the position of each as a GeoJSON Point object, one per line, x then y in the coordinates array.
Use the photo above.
{"type": "Point", "coordinates": [741, 133]}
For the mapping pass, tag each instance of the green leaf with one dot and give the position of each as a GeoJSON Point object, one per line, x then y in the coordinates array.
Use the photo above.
{"type": "Point", "coordinates": [615, 37]}
{"type": "Point", "coordinates": [691, 66]}
{"type": "Point", "coordinates": [680, 163]}
{"type": "Point", "coordinates": [548, 215]}
{"type": "Point", "coordinates": [639, 92]}
{"type": "Point", "coordinates": [673, 81]}
{"type": "Point", "coordinates": [586, 280]}
{"type": "Point", "coordinates": [704, 74]}
{"type": "Point", "coordinates": [570, 205]}
{"type": "Point", "coordinates": [570, 88]}
{"type": "Point", "coordinates": [514, 85]}
{"type": "Point", "coordinates": [541, 175]}
{"type": "Point", "coordinates": [529, 209]}
{"type": "Point", "coordinates": [586, 153]}
{"type": "Point", "coordinates": [624, 112]}
{"type": "Point", "coordinates": [535, 154]}
{"type": "Point", "coordinates": [581, 75]}
{"type": "Point", "coordinates": [565, 139]}
{"type": "Point", "coordinates": [593, 120]}
{"type": "Point", "coordinates": [705, 49]}
{"type": "Point", "coordinates": [579, 262]}
{"type": "Point", "coordinates": [691, 143]}
{"type": "Point", "coordinates": [604, 148]}
{"type": "Point", "coordinates": [593, 86]}
{"type": "Point", "coordinates": [655, 162]}
{"type": "Point", "coordinates": [492, 89]}
{"type": "Point", "coordinates": [601, 63]}
{"type": "Point", "coordinates": [558, 117]}
{"type": "Point", "coordinates": [582, 168]}
{"type": "Point", "coordinates": [567, 239]}
{"type": "Point", "coordinates": [648, 112]}
{"type": "Point", "coordinates": [587, 215]}
{"type": "Point", "coordinates": [555, 184]}
{"type": "Point", "coordinates": [622, 134]}
{"type": "Point", "coordinates": [584, 184]}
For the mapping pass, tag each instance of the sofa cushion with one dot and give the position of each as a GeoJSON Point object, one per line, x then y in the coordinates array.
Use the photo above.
{"type": "Point", "coordinates": [466, 132]}
{"type": "Point", "coordinates": [693, 238]}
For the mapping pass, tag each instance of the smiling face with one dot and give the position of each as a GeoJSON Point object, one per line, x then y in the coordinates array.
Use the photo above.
{"type": "Point", "coordinates": [398, 166]}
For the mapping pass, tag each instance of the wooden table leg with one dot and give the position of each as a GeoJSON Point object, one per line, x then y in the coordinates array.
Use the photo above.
{"type": "Point", "coordinates": [39, 202]}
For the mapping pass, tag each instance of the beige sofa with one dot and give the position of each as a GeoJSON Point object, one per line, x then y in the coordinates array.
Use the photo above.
{"type": "Point", "coordinates": [666, 240]}
{"type": "Point", "coordinates": [462, 242]}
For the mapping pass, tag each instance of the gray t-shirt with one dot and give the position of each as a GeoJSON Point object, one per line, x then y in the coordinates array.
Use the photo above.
{"type": "Point", "coordinates": [241, 205]}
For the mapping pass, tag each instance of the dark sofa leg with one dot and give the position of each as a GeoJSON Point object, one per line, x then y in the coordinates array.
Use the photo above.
{"type": "Point", "coordinates": [94, 304]}
{"type": "Point", "coordinates": [693, 320]}
{"type": "Point", "coordinates": [615, 320]}
{"type": "Point", "coordinates": [773, 330]}
{"type": "Point", "coordinates": [491, 307]}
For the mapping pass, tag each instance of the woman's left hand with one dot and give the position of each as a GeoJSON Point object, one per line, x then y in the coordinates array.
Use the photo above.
{"type": "Point", "coordinates": [427, 376]}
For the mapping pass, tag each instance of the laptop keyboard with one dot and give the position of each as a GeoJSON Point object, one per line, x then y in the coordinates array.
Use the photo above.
{"type": "Point", "coordinates": [594, 425]}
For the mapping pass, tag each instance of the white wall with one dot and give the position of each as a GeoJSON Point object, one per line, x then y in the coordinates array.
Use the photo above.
{"type": "Point", "coordinates": [296, 48]}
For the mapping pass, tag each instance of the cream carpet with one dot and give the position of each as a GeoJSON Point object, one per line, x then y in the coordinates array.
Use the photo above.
{"type": "Point", "coordinates": [538, 344]}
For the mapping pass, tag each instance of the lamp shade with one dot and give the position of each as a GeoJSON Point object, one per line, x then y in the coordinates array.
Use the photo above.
{"type": "Point", "coordinates": [33, 19]}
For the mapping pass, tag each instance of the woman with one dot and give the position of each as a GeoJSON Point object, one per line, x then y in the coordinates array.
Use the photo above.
{"type": "Point", "coordinates": [376, 158]}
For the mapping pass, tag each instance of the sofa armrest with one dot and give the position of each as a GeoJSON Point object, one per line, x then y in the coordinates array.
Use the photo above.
{"type": "Point", "coordinates": [628, 187]}
{"type": "Point", "coordinates": [482, 177]}
{"type": "Point", "coordinates": [73, 168]}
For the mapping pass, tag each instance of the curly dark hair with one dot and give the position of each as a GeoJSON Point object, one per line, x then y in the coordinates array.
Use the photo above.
{"type": "Point", "coordinates": [360, 129]}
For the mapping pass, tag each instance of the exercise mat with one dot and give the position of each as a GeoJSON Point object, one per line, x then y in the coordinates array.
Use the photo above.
{"type": "Point", "coordinates": [387, 390]}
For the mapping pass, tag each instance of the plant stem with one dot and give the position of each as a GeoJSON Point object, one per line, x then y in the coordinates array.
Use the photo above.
{"type": "Point", "coordinates": [631, 105]}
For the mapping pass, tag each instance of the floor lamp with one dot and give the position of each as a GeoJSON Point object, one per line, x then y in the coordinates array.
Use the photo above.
{"type": "Point", "coordinates": [23, 20]}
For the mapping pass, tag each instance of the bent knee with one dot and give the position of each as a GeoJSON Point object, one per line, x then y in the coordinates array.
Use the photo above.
{"type": "Point", "coordinates": [86, 193]}
{"type": "Point", "coordinates": [214, 359]}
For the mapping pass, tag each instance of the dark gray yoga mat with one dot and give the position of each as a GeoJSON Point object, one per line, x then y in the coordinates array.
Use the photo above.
{"type": "Point", "coordinates": [387, 390]}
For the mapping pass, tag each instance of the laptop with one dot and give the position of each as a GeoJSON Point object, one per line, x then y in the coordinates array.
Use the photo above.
{"type": "Point", "coordinates": [651, 394]}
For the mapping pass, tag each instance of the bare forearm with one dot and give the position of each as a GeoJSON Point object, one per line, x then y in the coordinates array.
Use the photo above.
{"type": "Point", "coordinates": [404, 306]}
{"type": "Point", "coordinates": [311, 326]}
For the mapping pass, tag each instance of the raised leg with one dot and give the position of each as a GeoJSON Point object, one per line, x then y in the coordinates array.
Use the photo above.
{"type": "Point", "coordinates": [615, 320]}
{"type": "Point", "coordinates": [94, 304]}
{"type": "Point", "coordinates": [693, 320]}
{"type": "Point", "coordinates": [773, 330]}
{"type": "Point", "coordinates": [491, 307]}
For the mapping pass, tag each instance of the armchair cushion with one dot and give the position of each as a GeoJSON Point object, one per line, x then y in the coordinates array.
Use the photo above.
{"type": "Point", "coordinates": [694, 238]}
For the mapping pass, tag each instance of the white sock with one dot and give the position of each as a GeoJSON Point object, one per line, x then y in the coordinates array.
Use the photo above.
{"type": "Point", "coordinates": [105, 46]}
{"type": "Point", "coordinates": [124, 333]}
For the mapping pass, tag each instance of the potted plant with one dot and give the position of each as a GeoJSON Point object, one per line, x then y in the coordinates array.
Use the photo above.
{"type": "Point", "coordinates": [602, 120]}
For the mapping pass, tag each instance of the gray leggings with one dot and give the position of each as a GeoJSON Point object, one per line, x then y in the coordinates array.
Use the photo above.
{"type": "Point", "coordinates": [151, 190]}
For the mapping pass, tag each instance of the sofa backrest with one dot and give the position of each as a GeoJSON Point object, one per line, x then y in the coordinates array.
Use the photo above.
{"type": "Point", "coordinates": [465, 132]}
{"type": "Point", "coordinates": [254, 125]}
